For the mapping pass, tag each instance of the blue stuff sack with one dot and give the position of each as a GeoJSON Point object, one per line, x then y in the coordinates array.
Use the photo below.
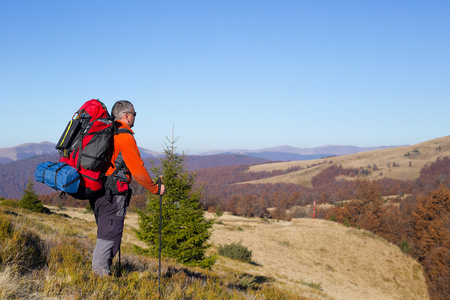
{"type": "Point", "coordinates": [59, 176]}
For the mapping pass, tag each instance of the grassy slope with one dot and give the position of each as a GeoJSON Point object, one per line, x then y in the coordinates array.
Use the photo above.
{"type": "Point", "coordinates": [63, 243]}
{"type": "Point", "coordinates": [316, 260]}
{"type": "Point", "coordinates": [426, 155]}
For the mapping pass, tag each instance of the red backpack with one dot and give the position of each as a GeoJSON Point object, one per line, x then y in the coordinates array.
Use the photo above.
{"type": "Point", "coordinates": [86, 145]}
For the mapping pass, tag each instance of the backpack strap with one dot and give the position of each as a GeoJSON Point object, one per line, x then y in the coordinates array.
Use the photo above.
{"type": "Point", "coordinates": [123, 130]}
{"type": "Point", "coordinates": [109, 182]}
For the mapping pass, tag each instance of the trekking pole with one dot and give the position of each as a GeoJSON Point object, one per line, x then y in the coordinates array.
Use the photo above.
{"type": "Point", "coordinates": [160, 205]}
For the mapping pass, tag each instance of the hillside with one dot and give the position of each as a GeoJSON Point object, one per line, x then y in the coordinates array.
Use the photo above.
{"type": "Point", "coordinates": [402, 163]}
{"type": "Point", "coordinates": [314, 259]}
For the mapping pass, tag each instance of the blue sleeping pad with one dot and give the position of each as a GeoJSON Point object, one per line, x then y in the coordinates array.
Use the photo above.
{"type": "Point", "coordinates": [59, 176]}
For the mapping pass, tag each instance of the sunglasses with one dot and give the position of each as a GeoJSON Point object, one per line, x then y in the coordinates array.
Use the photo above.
{"type": "Point", "coordinates": [129, 112]}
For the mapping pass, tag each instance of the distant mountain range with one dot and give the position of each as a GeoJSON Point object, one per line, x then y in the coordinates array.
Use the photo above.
{"type": "Point", "coordinates": [281, 153]}
{"type": "Point", "coordinates": [28, 150]}
{"type": "Point", "coordinates": [288, 153]}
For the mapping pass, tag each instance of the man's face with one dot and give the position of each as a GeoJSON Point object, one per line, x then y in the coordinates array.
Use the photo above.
{"type": "Point", "coordinates": [130, 117]}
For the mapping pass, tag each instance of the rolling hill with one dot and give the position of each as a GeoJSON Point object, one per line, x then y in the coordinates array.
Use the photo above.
{"type": "Point", "coordinates": [403, 163]}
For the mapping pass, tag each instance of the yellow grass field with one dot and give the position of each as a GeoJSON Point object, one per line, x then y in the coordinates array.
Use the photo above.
{"type": "Point", "coordinates": [316, 259]}
{"type": "Point", "coordinates": [408, 168]}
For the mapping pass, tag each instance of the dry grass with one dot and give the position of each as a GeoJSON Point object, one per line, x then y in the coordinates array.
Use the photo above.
{"type": "Point", "coordinates": [67, 272]}
{"type": "Point", "coordinates": [427, 154]}
{"type": "Point", "coordinates": [315, 259]}
{"type": "Point", "coordinates": [324, 259]}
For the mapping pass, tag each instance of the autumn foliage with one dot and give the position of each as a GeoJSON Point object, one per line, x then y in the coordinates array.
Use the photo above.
{"type": "Point", "coordinates": [432, 239]}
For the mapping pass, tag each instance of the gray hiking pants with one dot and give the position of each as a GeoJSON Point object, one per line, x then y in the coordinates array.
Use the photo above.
{"type": "Point", "coordinates": [110, 216]}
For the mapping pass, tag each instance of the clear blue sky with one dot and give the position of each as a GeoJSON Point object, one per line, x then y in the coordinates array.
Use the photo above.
{"type": "Point", "coordinates": [230, 74]}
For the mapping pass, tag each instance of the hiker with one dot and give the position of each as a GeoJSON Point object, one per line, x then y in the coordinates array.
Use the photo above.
{"type": "Point", "coordinates": [110, 208]}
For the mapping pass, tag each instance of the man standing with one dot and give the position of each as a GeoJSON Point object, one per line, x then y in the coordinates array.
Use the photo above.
{"type": "Point", "coordinates": [110, 209]}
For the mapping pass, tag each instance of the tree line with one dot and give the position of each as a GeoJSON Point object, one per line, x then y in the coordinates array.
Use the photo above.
{"type": "Point", "coordinates": [226, 188]}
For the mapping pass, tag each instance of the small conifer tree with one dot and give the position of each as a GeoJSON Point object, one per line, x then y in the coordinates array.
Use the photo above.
{"type": "Point", "coordinates": [219, 211]}
{"type": "Point", "coordinates": [30, 200]}
{"type": "Point", "coordinates": [185, 230]}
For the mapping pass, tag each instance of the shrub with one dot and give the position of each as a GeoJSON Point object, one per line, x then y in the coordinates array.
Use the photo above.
{"type": "Point", "coordinates": [89, 209]}
{"type": "Point", "coordinates": [405, 247]}
{"type": "Point", "coordinates": [20, 247]}
{"type": "Point", "coordinates": [332, 218]}
{"type": "Point", "coordinates": [6, 228]}
{"type": "Point", "coordinates": [278, 214]}
{"type": "Point", "coordinates": [346, 222]}
{"type": "Point", "coordinates": [244, 282]}
{"type": "Point", "coordinates": [236, 251]}
{"type": "Point", "coordinates": [9, 202]}
{"type": "Point", "coordinates": [70, 257]}
{"type": "Point", "coordinates": [219, 211]}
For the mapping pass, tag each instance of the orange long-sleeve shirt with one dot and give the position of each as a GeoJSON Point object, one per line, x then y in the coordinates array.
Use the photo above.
{"type": "Point", "coordinates": [125, 144]}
